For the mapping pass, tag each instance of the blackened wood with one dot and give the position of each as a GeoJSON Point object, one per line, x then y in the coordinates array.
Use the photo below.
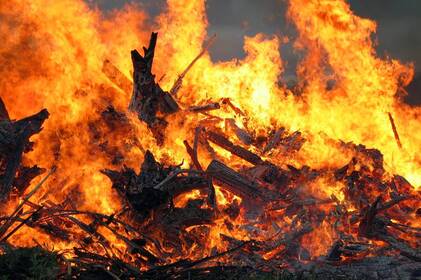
{"type": "Point", "coordinates": [191, 153]}
{"type": "Point", "coordinates": [169, 104]}
{"type": "Point", "coordinates": [155, 186]}
{"type": "Point", "coordinates": [401, 246]}
{"type": "Point", "coordinates": [24, 129]}
{"type": "Point", "coordinates": [33, 123]}
{"type": "Point", "coordinates": [184, 184]}
{"type": "Point", "coordinates": [234, 182]}
{"type": "Point", "coordinates": [274, 140]}
{"type": "Point", "coordinates": [185, 217]}
{"type": "Point", "coordinates": [149, 101]}
{"type": "Point", "coordinates": [394, 202]}
{"type": "Point", "coordinates": [395, 131]}
{"type": "Point", "coordinates": [367, 226]}
{"type": "Point", "coordinates": [241, 134]}
{"type": "Point", "coordinates": [4, 115]}
{"type": "Point", "coordinates": [292, 142]}
{"type": "Point", "coordinates": [22, 223]}
{"type": "Point", "coordinates": [197, 135]}
{"type": "Point", "coordinates": [16, 213]}
{"type": "Point", "coordinates": [143, 79]}
{"type": "Point", "coordinates": [54, 231]}
{"type": "Point", "coordinates": [239, 151]}
{"type": "Point", "coordinates": [204, 108]}
{"type": "Point", "coordinates": [335, 251]}
{"type": "Point", "coordinates": [24, 177]}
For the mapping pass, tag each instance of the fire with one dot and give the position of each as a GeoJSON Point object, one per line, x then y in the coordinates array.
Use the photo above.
{"type": "Point", "coordinates": [52, 55]}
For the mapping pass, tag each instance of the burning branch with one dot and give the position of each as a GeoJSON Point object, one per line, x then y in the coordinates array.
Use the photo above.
{"type": "Point", "coordinates": [395, 131]}
{"type": "Point", "coordinates": [179, 82]}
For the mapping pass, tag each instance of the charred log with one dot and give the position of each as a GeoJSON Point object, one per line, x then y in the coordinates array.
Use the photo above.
{"type": "Point", "coordinates": [235, 182]}
{"type": "Point", "coordinates": [239, 151]}
{"type": "Point", "coordinates": [155, 186]}
{"type": "Point", "coordinates": [14, 142]}
{"type": "Point", "coordinates": [149, 101]}
{"type": "Point", "coordinates": [24, 177]}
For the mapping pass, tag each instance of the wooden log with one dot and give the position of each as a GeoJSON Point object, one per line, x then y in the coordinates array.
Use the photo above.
{"type": "Point", "coordinates": [185, 217]}
{"type": "Point", "coordinates": [149, 101]}
{"type": "Point", "coordinates": [24, 177]}
{"type": "Point", "coordinates": [239, 151]}
{"type": "Point", "coordinates": [204, 108]}
{"type": "Point", "coordinates": [394, 202]}
{"type": "Point", "coordinates": [8, 135]}
{"type": "Point", "coordinates": [21, 130]}
{"type": "Point", "coordinates": [184, 184]}
{"type": "Point", "coordinates": [241, 134]}
{"type": "Point", "coordinates": [142, 74]}
{"type": "Point", "coordinates": [335, 251]}
{"type": "Point", "coordinates": [234, 182]}
{"type": "Point", "coordinates": [34, 122]}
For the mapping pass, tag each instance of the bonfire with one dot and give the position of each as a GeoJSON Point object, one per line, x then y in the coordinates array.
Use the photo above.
{"type": "Point", "coordinates": [161, 164]}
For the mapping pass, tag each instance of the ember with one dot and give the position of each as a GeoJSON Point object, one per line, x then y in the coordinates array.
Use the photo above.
{"type": "Point", "coordinates": [237, 174]}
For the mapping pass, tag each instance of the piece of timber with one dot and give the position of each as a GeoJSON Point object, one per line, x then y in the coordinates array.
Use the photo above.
{"type": "Point", "coordinates": [239, 151]}
{"type": "Point", "coordinates": [234, 182]}
{"type": "Point", "coordinates": [185, 217]}
{"type": "Point", "coordinates": [241, 134]}
{"type": "Point", "coordinates": [204, 108]}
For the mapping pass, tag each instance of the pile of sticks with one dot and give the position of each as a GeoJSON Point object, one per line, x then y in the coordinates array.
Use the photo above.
{"type": "Point", "coordinates": [271, 204]}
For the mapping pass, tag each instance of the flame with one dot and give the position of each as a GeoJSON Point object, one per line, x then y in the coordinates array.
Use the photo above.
{"type": "Point", "coordinates": [52, 55]}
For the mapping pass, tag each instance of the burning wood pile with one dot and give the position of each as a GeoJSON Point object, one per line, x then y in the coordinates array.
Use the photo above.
{"type": "Point", "coordinates": [201, 221]}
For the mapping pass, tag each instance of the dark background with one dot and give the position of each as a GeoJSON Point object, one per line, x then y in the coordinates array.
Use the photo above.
{"type": "Point", "coordinates": [398, 35]}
